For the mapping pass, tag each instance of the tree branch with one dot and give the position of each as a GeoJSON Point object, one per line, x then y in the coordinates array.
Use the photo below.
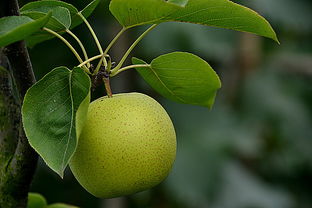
{"type": "Point", "coordinates": [20, 167]}
{"type": "Point", "coordinates": [9, 116]}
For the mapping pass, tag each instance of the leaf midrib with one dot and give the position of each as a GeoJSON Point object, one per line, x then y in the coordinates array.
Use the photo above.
{"type": "Point", "coordinates": [72, 117]}
{"type": "Point", "coordinates": [170, 91]}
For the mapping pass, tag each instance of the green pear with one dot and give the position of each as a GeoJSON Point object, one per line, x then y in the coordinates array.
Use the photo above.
{"type": "Point", "coordinates": [127, 145]}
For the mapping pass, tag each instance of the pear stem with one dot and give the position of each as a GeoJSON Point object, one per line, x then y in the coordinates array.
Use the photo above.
{"type": "Point", "coordinates": [107, 87]}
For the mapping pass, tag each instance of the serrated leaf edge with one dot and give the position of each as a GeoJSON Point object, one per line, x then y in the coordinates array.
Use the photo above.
{"type": "Point", "coordinates": [61, 172]}
{"type": "Point", "coordinates": [44, 20]}
{"type": "Point", "coordinates": [148, 22]}
{"type": "Point", "coordinates": [181, 100]}
{"type": "Point", "coordinates": [29, 11]}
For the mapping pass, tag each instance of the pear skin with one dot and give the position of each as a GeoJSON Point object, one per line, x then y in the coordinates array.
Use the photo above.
{"type": "Point", "coordinates": [127, 145]}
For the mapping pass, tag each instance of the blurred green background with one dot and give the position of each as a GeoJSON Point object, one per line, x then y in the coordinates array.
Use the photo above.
{"type": "Point", "coordinates": [252, 150]}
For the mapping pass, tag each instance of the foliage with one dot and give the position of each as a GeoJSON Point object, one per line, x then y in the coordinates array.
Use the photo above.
{"type": "Point", "coordinates": [239, 146]}
{"type": "Point", "coordinates": [177, 81]}
{"type": "Point", "coordinates": [16, 28]}
{"type": "Point", "coordinates": [54, 108]}
{"type": "Point", "coordinates": [210, 13]}
{"type": "Point", "coordinates": [62, 98]}
{"type": "Point", "coordinates": [198, 82]}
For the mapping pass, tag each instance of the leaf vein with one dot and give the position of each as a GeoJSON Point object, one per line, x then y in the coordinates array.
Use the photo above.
{"type": "Point", "coordinates": [72, 118]}
{"type": "Point", "coordinates": [171, 92]}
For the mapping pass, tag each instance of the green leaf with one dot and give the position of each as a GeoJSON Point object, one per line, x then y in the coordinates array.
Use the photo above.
{"type": "Point", "coordinates": [182, 77]}
{"type": "Point", "coordinates": [59, 20]}
{"type": "Point", "coordinates": [224, 14]}
{"type": "Point", "coordinates": [179, 2]}
{"type": "Point", "coordinates": [53, 114]}
{"type": "Point", "coordinates": [38, 37]}
{"type": "Point", "coordinates": [60, 205]}
{"type": "Point", "coordinates": [132, 13]}
{"type": "Point", "coordinates": [86, 12]}
{"type": "Point", "coordinates": [16, 28]}
{"type": "Point", "coordinates": [217, 13]}
{"type": "Point", "coordinates": [75, 19]}
{"type": "Point", "coordinates": [36, 201]}
{"type": "Point", "coordinates": [33, 6]}
{"type": "Point", "coordinates": [45, 5]}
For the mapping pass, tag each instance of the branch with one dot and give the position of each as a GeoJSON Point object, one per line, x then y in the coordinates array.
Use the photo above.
{"type": "Point", "coordinates": [9, 116]}
{"type": "Point", "coordinates": [19, 170]}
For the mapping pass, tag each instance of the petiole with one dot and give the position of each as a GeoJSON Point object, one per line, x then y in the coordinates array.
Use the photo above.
{"type": "Point", "coordinates": [80, 44]}
{"type": "Point", "coordinates": [69, 46]}
{"type": "Point", "coordinates": [123, 59]}
{"type": "Point", "coordinates": [129, 67]}
{"type": "Point", "coordinates": [93, 35]}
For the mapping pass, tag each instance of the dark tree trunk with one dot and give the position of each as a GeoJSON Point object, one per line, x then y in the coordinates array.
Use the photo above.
{"type": "Point", "coordinates": [17, 159]}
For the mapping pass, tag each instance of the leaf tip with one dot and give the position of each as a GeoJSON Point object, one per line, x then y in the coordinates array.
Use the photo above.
{"type": "Point", "coordinates": [134, 59]}
{"type": "Point", "coordinates": [277, 40]}
{"type": "Point", "coordinates": [137, 61]}
{"type": "Point", "coordinates": [209, 106]}
{"type": "Point", "coordinates": [47, 17]}
{"type": "Point", "coordinates": [274, 37]}
{"type": "Point", "coordinates": [61, 173]}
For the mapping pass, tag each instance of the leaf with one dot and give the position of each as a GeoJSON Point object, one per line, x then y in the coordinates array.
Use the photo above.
{"type": "Point", "coordinates": [179, 2]}
{"type": "Point", "coordinates": [52, 4]}
{"type": "Point", "coordinates": [224, 14]}
{"type": "Point", "coordinates": [53, 114]}
{"type": "Point", "coordinates": [49, 3]}
{"type": "Point", "coordinates": [60, 205]}
{"type": "Point", "coordinates": [217, 13]}
{"type": "Point", "coordinates": [59, 20]}
{"type": "Point", "coordinates": [36, 201]}
{"type": "Point", "coordinates": [182, 77]}
{"type": "Point", "coordinates": [39, 37]}
{"type": "Point", "coordinates": [86, 12]}
{"type": "Point", "coordinates": [41, 7]}
{"type": "Point", "coordinates": [16, 28]}
{"type": "Point", "coordinates": [132, 13]}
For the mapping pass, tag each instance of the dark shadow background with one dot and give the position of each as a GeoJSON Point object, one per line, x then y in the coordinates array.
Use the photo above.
{"type": "Point", "coordinates": [252, 150]}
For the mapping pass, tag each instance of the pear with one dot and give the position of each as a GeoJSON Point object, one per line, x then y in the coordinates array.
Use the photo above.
{"type": "Point", "coordinates": [127, 145]}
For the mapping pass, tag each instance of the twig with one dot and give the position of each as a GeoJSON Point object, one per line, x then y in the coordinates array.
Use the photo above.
{"type": "Point", "coordinates": [15, 181]}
